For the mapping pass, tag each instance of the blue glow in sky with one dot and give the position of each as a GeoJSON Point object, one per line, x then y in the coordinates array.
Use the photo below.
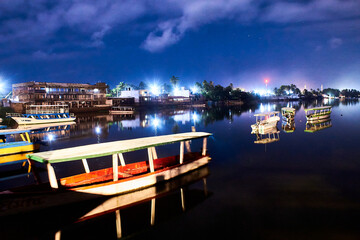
{"type": "Point", "coordinates": [310, 42]}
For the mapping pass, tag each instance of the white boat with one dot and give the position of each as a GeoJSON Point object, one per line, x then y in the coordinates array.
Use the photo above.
{"type": "Point", "coordinates": [265, 121]}
{"type": "Point", "coordinates": [121, 110]}
{"type": "Point", "coordinates": [42, 114]}
{"type": "Point", "coordinates": [317, 113]}
{"type": "Point", "coordinates": [109, 181]}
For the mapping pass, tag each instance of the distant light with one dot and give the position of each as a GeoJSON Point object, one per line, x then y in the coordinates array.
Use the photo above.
{"type": "Point", "coordinates": [176, 91]}
{"type": "Point", "coordinates": [154, 89]}
{"type": "Point", "coordinates": [51, 137]}
{"type": "Point", "coordinates": [47, 89]}
{"type": "Point", "coordinates": [266, 80]}
{"type": "Point", "coordinates": [268, 91]}
{"type": "Point", "coordinates": [194, 90]}
{"type": "Point", "coordinates": [97, 130]}
{"type": "Point", "coordinates": [96, 90]}
{"type": "Point", "coordinates": [287, 92]}
{"type": "Point", "coordinates": [291, 92]}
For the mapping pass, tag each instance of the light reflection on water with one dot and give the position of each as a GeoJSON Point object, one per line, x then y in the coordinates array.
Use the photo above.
{"type": "Point", "coordinates": [305, 184]}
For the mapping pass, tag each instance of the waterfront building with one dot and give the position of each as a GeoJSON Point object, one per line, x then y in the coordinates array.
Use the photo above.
{"type": "Point", "coordinates": [76, 95]}
{"type": "Point", "coordinates": [138, 95]}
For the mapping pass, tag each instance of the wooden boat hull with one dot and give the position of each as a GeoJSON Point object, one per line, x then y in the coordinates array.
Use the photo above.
{"type": "Point", "coordinates": [23, 120]}
{"type": "Point", "coordinates": [265, 125]}
{"type": "Point", "coordinates": [149, 179]}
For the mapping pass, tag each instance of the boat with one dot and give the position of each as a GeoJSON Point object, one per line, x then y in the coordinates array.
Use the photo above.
{"type": "Point", "coordinates": [121, 110]}
{"type": "Point", "coordinates": [16, 147]}
{"type": "Point", "coordinates": [109, 181]}
{"type": "Point", "coordinates": [312, 127]}
{"type": "Point", "coordinates": [42, 114]}
{"type": "Point", "coordinates": [288, 113]}
{"type": "Point", "coordinates": [265, 121]}
{"type": "Point", "coordinates": [317, 113]}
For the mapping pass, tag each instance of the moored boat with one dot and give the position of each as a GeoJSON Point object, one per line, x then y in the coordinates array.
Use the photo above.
{"type": "Point", "coordinates": [288, 113]}
{"type": "Point", "coordinates": [269, 136]}
{"type": "Point", "coordinates": [16, 147]}
{"type": "Point", "coordinates": [108, 181]}
{"type": "Point", "coordinates": [42, 114]}
{"type": "Point", "coordinates": [317, 113]}
{"type": "Point", "coordinates": [265, 121]}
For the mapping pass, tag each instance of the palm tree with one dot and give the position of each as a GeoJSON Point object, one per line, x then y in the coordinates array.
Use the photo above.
{"type": "Point", "coordinates": [174, 81]}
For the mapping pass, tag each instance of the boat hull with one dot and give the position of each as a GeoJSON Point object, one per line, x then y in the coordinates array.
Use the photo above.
{"type": "Point", "coordinates": [265, 125]}
{"type": "Point", "coordinates": [15, 148]}
{"type": "Point", "coordinates": [27, 121]}
{"type": "Point", "coordinates": [15, 203]}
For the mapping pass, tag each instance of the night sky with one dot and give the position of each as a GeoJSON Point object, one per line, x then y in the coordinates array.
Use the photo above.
{"type": "Point", "coordinates": [242, 42]}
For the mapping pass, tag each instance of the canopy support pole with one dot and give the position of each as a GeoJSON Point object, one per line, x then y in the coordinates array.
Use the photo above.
{"type": "Point", "coordinates": [181, 152]}
{"type": "Point", "coordinates": [151, 161]}
{"type": "Point", "coordinates": [122, 160]}
{"type": "Point", "coordinates": [115, 167]}
{"type": "Point", "coordinates": [86, 166]}
{"type": "Point", "coordinates": [187, 145]}
{"type": "Point", "coordinates": [52, 176]}
{"type": "Point", "coordinates": [153, 150]}
{"type": "Point", "coordinates": [204, 146]}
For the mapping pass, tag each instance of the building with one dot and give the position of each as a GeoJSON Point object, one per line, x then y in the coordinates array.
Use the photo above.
{"type": "Point", "coordinates": [138, 95]}
{"type": "Point", "coordinates": [76, 95]}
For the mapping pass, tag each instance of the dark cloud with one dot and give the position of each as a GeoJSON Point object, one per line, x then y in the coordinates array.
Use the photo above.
{"type": "Point", "coordinates": [36, 22]}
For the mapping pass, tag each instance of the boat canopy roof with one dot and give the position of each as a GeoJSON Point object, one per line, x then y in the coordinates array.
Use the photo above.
{"type": "Point", "coordinates": [318, 108]}
{"type": "Point", "coordinates": [109, 148]}
{"type": "Point", "coordinates": [266, 114]}
{"type": "Point", "coordinates": [288, 109]}
{"type": "Point", "coordinates": [12, 131]}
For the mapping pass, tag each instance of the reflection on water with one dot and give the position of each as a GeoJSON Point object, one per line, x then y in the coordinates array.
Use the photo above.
{"type": "Point", "coordinates": [288, 126]}
{"type": "Point", "coordinates": [318, 125]}
{"type": "Point", "coordinates": [127, 214]}
{"type": "Point", "coordinates": [304, 185]}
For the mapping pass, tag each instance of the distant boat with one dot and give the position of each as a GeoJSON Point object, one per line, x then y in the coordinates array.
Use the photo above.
{"type": "Point", "coordinates": [265, 121]}
{"type": "Point", "coordinates": [121, 110]}
{"type": "Point", "coordinates": [288, 113]}
{"type": "Point", "coordinates": [317, 113]}
{"type": "Point", "coordinates": [41, 114]}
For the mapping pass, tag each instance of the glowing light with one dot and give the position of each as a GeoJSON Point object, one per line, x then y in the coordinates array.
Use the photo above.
{"type": "Point", "coordinates": [97, 130]}
{"type": "Point", "coordinates": [176, 91]}
{"type": "Point", "coordinates": [194, 90]}
{"type": "Point", "coordinates": [266, 80]}
{"type": "Point", "coordinates": [154, 89]}
{"type": "Point", "coordinates": [51, 137]}
{"type": "Point", "coordinates": [96, 90]}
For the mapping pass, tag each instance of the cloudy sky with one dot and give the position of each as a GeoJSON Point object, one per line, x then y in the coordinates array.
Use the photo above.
{"type": "Point", "coordinates": [310, 42]}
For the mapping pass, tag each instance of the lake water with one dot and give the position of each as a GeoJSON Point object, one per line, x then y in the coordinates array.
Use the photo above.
{"type": "Point", "coordinates": [302, 186]}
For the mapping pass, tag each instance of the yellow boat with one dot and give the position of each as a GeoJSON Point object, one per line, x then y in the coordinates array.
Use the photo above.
{"type": "Point", "coordinates": [10, 148]}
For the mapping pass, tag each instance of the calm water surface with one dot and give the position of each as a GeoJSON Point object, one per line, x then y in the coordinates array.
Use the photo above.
{"type": "Point", "coordinates": [303, 186]}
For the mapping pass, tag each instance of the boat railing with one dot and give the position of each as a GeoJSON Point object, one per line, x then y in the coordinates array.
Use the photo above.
{"type": "Point", "coordinates": [14, 115]}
